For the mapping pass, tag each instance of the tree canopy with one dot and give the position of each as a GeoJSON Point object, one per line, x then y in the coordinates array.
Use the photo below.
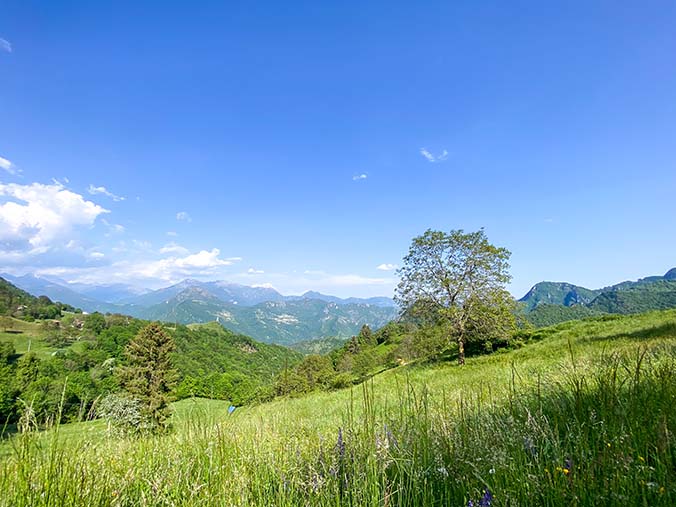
{"type": "Point", "coordinates": [149, 376]}
{"type": "Point", "coordinates": [459, 278]}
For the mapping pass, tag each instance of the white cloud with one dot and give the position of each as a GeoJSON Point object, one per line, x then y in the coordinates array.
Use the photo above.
{"type": "Point", "coordinates": [35, 217]}
{"type": "Point", "coordinates": [173, 248]}
{"type": "Point", "coordinates": [112, 228]}
{"type": "Point", "coordinates": [432, 158]}
{"type": "Point", "coordinates": [172, 233]}
{"type": "Point", "coordinates": [5, 45]}
{"type": "Point", "coordinates": [387, 267]}
{"type": "Point", "coordinates": [265, 286]}
{"type": "Point", "coordinates": [97, 255]}
{"type": "Point", "coordinates": [203, 263]}
{"type": "Point", "coordinates": [253, 271]}
{"type": "Point", "coordinates": [183, 216]}
{"type": "Point", "coordinates": [358, 177]}
{"type": "Point", "coordinates": [8, 166]}
{"type": "Point", "coordinates": [104, 191]}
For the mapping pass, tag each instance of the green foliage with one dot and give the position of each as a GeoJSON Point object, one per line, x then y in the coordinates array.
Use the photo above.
{"type": "Point", "coordinates": [557, 293]}
{"type": "Point", "coordinates": [547, 315]}
{"type": "Point", "coordinates": [318, 346]}
{"type": "Point", "coordinates": [18, 303]}
{"type": "Point", "coordinates": [148, 374]}
{"type": "Point", "coordinates": [95, 323]}
{"type": "Point", "coordinates": [124, 414]}
{"type": "Point", "coordinates": [583, 416]}
{"type": "Point", "coordinates": [281, 322]}
{"type": "Point", "coordinates": [659, 295]}
{"type": "Point", "coordinates": [459, 278]}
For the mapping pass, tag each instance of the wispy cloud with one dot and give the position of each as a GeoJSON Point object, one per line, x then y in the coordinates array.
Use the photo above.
{"type": "Point", "coordinates": [253, 271]}
{"type": "Point", "coordinates": [387, 267]}
{"type": "Point", "coordinates": [432, 158]}
{"type": "Point", "coordinates": [174, 248]}
{"type": "Point", "coordinates": [104, 191]}
{"type": "Point", "coordinates": [358, 177]}
{"type": "Point", "coordinates": [112, 228]}
{"type": "Point", "coordinates": [5, 45]}
{"type": "Point", "coordinates": [183, 216]}
{"type": "Point", "coordinates": [8, 166]}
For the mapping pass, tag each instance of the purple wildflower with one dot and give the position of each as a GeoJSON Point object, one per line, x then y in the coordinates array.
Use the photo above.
{"type": "Point", "coordinates": [391, 438]}
{"type": "Point", "coordinates": [486, 499]}
{"type": "Point", "coordinates": [340, 444]}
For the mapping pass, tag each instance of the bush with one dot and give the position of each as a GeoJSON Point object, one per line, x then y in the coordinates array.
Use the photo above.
{"type": "Point", "coordinates": [124, 415]}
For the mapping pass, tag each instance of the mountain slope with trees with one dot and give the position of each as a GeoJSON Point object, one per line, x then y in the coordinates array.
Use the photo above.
{"type": "Point", "coordinates": [282, 322]}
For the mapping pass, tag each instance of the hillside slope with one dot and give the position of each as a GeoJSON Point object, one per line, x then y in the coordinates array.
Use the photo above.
{"type": "Point", "coordinates": [557, 293]}
{"type": "Point", "coordinates": [282, 322]}
{"type": "Point", "coordinates": [656, 295]}
{"type": "Point", "coordinates": [580, 414]}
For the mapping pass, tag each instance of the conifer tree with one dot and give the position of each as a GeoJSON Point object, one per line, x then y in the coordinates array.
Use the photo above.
{"type": "Point", "coordinates": [149, 376]}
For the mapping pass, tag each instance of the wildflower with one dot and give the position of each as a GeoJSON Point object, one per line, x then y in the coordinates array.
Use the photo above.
{"type": "Point", "coordinates": [491, 471]}
{"type": "Point", "coordinates": [641, 459]}
{"type": "Point", "coordinates": [486, 499]}
{"type": "Point", "coordinates": [470, 503]}
{"type": "Point", "coordinates": [391, 438]}
{"type": "Point", "coordinates": [340, 444]}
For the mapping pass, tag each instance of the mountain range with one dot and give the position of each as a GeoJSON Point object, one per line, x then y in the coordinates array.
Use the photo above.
{"type": "Point", "coordinates": [260, 312]}
{"type": "Point", "coordinates": [551, 302]}
{"type": "Point", "coordinates": [268, 316]}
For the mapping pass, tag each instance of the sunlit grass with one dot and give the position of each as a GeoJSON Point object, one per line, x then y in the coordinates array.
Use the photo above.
{"type": "Point", "coordinates": [584, 416]}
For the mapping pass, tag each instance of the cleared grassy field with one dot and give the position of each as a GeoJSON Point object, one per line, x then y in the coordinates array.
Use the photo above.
{"type": "Point", "coordinates": [582, 416]}
{"type": "Point", "coordinates": [30, 336]}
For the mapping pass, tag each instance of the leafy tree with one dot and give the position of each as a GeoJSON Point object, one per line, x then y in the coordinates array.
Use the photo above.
{"type": "Point", "coordinates": [149, 375]}
{"type": "Point", "coordinates": [95, 323]}
{"type": "Point", "coordinates": [459, 278]}
{"type": "Point", "coordinates": [6, 323]}
{"type": "Point", "coordinates": [317, 370]}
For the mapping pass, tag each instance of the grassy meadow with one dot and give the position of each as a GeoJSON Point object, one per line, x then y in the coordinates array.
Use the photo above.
{"type": "Point", "coordinates": [581, 414]}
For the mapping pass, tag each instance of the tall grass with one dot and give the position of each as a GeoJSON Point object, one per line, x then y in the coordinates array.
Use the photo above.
{"type": "Point", "coordinates": [594, 429]}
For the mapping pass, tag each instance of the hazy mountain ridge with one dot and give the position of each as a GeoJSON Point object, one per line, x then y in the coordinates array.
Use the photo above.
{"type": "Point", "coordinates": [260, 312]}
{"type": "Point", "coordinates": [284, 322]}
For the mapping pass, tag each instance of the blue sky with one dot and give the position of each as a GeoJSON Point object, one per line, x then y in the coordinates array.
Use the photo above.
{"type": "Point", "coordinates": [303, 144]}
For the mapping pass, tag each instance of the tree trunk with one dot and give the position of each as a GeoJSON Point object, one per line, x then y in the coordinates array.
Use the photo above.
{"type": "Point", "coordinates": [461, 350]}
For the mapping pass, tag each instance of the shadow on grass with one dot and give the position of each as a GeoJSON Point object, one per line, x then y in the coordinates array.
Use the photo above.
{"type": "Point", "coordinates": [666, 330]}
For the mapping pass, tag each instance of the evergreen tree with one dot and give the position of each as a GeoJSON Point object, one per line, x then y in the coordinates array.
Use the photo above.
{"type": "Point", "coordinates": [149, 376]}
